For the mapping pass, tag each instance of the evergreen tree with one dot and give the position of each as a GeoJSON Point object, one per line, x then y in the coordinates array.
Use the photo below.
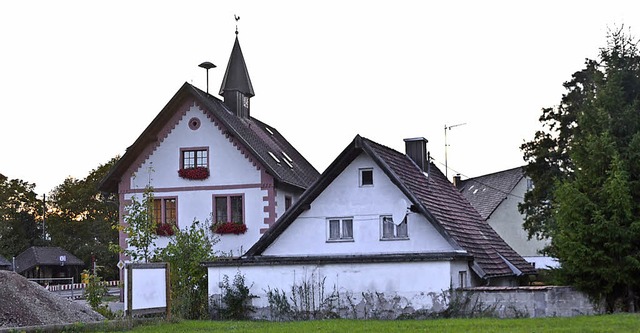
{"type": "Point", "coordinates": [586, 169]}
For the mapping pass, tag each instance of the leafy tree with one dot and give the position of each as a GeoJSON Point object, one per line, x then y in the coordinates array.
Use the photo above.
{"type": "Point", "coordinates": [586, 169]}
{"type": "Point", "coordinates": [83, 220]}
{"type": "Point", "coordinates": [140, 227]}
{"type": "Point", "coordinates": [20, 218]}
{"type": "Point", "coordinates": [186, 250]}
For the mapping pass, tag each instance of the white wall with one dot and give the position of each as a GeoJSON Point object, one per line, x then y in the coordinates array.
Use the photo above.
{"type": "Point", "coordinates": [307, 235]}
{"type": "Point", "coordinates": [417, 283]}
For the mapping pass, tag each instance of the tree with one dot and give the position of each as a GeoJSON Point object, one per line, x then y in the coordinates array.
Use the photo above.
{"type": "Point", "coordinates": [83, 220]}
{"type": "Point", "coordinates": [586, 170]}
{"type": "Point", "coordinates": [186, 250]}
{"type": "Point", "coordinates": [19, 215]}
{"type": "Point", "coordinates": [140, 227]}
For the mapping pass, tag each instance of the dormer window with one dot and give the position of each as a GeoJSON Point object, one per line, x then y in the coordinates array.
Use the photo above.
{"type": "Point", "coordinates": [366, 177]}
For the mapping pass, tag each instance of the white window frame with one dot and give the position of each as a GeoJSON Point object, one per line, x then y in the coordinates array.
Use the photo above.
{"type": "Point", "coordinates": [395, 235]}
{"type": "Point", "coordinates": [361, 178]}
{"type": "Point", "coordinates": [342, 237]}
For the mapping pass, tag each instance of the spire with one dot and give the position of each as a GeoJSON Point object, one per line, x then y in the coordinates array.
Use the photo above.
{"type": "Point", "coordinates": [236, 86]}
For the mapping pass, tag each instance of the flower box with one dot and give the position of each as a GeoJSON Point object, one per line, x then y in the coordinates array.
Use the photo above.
{"type": "Point", "coordinates": [165, 229]}
{"type": "Point", "coordinates": [197, 173]}
{"type": "Point", "coordinates": [229, 228]}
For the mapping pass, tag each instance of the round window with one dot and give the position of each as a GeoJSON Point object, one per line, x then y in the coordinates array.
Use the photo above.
{"type": "Point", "coordinates": [194, 123]}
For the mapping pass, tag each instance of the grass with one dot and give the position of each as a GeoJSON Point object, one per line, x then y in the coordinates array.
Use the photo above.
{"type": "Point", "coordinates": [604, 323]}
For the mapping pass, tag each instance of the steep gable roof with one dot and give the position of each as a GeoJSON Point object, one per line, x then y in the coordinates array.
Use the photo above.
{"type": "Point", "coordinates": [257, 137]}
{"type": "Point", "coordinates": [44, 255]}
{"type": "Point", "coordinates": [485, 193]}
{"type": "Point", "coordinates": [431, 195]}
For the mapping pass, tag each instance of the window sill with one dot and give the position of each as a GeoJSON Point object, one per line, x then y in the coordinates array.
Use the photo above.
{"type": "Point", "coordinates": [346, 240]}
{"type": "Point", "coordinates": [394, 239]}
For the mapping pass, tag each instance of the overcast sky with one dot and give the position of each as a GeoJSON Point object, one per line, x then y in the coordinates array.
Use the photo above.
{"type": "Point", "coordinates": [80, 80]}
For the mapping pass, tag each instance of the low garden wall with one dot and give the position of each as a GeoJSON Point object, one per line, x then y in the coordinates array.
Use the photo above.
{"type": "Point", "coordinates": [534, 301]}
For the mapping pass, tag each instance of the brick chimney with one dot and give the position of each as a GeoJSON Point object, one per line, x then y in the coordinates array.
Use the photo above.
{"type": "Point", "coordinates": [457, 181]}
{"type": "Point", "coordinates": [416, 149]}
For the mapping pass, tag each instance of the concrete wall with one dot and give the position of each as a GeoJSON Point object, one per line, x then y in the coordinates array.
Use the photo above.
{"type": "Point", "coordinates": [545, 301]}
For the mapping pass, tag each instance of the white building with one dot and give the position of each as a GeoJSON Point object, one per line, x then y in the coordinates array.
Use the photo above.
{"type": "Point", "coordinates": [209, 159]}
{"type": "Point", "coordinates": [377, 221]}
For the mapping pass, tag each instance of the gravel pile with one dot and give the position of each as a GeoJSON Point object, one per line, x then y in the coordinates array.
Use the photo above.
{"type": "Point", "coordinates": [25, 303]}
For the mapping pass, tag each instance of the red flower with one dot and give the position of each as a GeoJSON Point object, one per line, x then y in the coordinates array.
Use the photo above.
{"type": "Point", "coordinates": [197, 173]}
{"type": "Point", "coordinates": [229, 228]}
{"type": "Point", "coordinates": [164, 229]}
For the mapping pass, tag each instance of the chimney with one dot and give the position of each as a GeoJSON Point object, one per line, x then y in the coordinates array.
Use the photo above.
{"type": "Point", "coordinates": [416, 149]}
{"type": "Point", "coordinates": [457, 181]}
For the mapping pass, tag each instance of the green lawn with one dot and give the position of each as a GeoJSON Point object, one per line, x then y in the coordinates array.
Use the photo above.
{"type": "Point", "coordinates": [605, 323]}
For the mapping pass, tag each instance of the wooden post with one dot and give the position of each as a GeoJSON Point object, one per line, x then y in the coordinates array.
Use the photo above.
{"type": "Point", "coordinates": [168, 286]}
{"type": "Point", "coordinates": [129, 290]}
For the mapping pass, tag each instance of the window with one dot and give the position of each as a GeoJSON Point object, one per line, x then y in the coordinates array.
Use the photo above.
{"type": "Point", "coordinates": [228, 209]}
{"type": "Point", "coordinates": [392, 231]}
{"type": "Point", "coordinates": [366, 177]}
{"type": "Point", "coordinates": [164, 211]}
{"type": "Point", "coordinates": [287, 202]}
{"type": "Point", "coordinates": [340, 229]}
{"type": "Point", "coordinates": [195, 158]}
{"type": "Point", "coordinates": [462, 277]}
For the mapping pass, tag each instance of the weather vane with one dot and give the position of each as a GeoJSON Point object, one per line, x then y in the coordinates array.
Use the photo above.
{"type": "Point", "coordinates": [237, 19]}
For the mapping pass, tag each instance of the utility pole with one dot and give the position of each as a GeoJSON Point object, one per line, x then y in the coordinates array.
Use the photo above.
{"type": "Point", "coordinates": [44, 215]}
{"type": "Point", "coordinates": [446, 167]}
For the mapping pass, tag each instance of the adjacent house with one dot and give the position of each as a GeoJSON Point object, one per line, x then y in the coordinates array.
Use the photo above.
{"type": "Point", "coordinates": [496, 197]}
{"type": "Point", "coordinates": [210, 160]}
{"type": "Point", "coordinates": [377, 222]}
{"type": "Point", "coordinates": [49, 264]}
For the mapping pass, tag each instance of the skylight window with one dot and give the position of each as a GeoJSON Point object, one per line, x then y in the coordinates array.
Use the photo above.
{"type": "Point", "coordinates": [288, 163]}
{"type": "Point", "coordinates": [287, 157]}
{"type": "Point", "coordinates": [274, 157]}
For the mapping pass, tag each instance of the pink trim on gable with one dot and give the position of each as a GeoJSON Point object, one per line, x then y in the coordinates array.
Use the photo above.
{"type": "Point", "coordinates": [269, 200]}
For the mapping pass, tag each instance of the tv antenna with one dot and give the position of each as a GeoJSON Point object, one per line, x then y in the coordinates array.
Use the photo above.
{"type": "Point", "coordinates": [448, 128]}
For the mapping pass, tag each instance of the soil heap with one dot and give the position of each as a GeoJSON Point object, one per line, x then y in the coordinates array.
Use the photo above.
{"type": "Point", "coordinates": [25, 303]}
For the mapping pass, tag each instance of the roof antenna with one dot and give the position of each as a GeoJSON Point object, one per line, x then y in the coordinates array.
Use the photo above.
{"type": "Point", "coordinates": [446, 166]}
{"type": "Point", "coordinates": [207, 65]}
{"type": "Point", "coordinates": [237, 19]}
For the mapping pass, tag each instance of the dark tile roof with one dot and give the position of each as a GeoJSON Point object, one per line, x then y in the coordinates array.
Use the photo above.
{"type": "Point", "coordinates": [44, 256]}
{"type": "Point", "coordinates": [434, 197]}
{"type": "Point", "coordinates": [257, 137]}
{"type": "Point", "coordinates": [486, 192]}
{"type": "Point", "coordinates": [236, 77]}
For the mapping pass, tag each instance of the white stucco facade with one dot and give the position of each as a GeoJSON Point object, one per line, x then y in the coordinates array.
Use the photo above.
{"type": "Point", "coordinates": [344, 198]}
{"type": "Point", "coordinates": [232, 173]}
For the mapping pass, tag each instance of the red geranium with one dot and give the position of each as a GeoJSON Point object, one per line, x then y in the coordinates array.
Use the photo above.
{"type": "Point", "coordinates": [197, 173]}
{"type": "Point", "coordinates": [229, 228]}
{"type": "Point", "coordinates": [164, 229]}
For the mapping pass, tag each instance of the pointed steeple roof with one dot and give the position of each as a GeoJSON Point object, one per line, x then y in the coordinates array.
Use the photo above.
{"type": "Point", "coordinates": [237, 76]}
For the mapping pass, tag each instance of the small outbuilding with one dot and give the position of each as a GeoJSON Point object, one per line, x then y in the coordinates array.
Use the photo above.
{"type": "Point", "coordinates": [48, 264]}
{"type": "Point", "coordinates": [5, 265]}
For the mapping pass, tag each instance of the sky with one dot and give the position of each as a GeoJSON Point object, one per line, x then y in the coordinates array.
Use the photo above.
{"type": "Point", "coordinates": [80, 80]}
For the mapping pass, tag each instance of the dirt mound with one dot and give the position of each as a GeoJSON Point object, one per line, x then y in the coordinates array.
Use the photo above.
{"type": "Point", "coordinates": [25, 303]}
